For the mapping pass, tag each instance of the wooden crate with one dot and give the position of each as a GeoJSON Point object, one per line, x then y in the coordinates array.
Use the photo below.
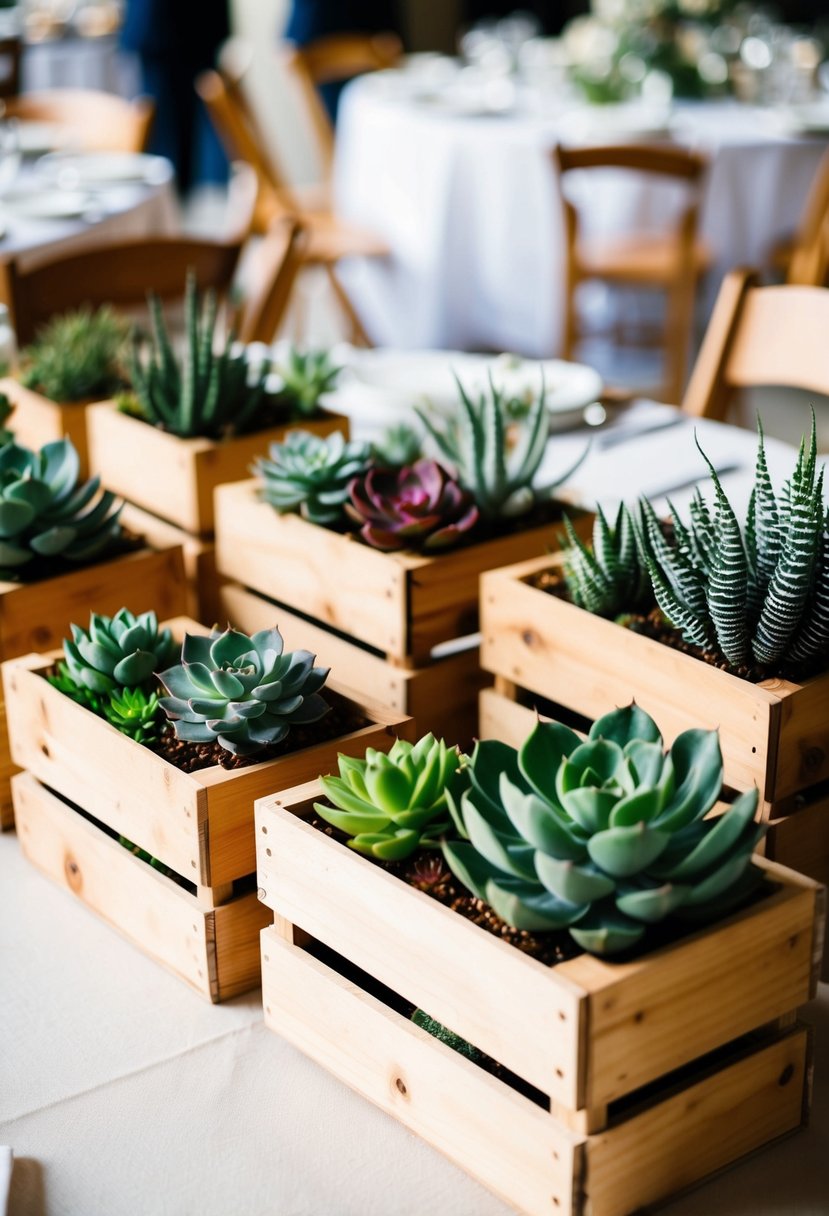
{"type": "Point", "coordinates": [402, 604]}
{"type": "Point", "coordinates": [38, 615]}
{"type": "Point", "coordinates": [801, 842]}
{"type": "Point", "coordinates": [213, 947]}
{"type": "Point", "coordinates": [441, 697]}
{"type": "Point", "coordinates": [587, 1032]}
{"type": "Point", "coordinates": [175, 478]}
{"type": "Point", "coordinates": [774, 735]}
{"type": "Point", "coordinates": [203, 602]}
{"type": "Point", "coordinates": [666, 1139]}
{"type": "Point", "coordinates": [37, 420]}
{"type": "Point", "coordinates": [199, 824]}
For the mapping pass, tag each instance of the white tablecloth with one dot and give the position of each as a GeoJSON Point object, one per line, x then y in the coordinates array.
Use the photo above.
{"type": "Point", "coordinates": [468, 205]}
{"type": "Point", "coordinates": [123, 1094]}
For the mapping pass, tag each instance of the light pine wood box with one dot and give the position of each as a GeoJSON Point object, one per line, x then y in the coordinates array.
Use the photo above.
{"type": "Point", "coordinates": [37, 420]}
{"type": "Point", "coordinates": [402, 604]}
{"type": "Point", "coordinates": [199, 824]}
{"type": "Point", "coordinates": [203, 602]}
{"type": "Point", "coordinates": [442, 697]}
{"type": "Point", "coordinates": [212, 947]}
{"type": "Point", "coordinates": [37, 616]}
{"type": "Point", "coordinates": [175, 478]}
{"type": "Point", "coordinates": [774, 735]}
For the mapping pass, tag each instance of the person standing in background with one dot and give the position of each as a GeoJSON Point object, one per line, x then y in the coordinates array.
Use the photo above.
{"type": "Point", "coordinates": [173, 41]}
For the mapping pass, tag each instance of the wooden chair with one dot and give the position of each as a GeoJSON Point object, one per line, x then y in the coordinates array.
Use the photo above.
{"type": "Point", "coordinates": [332, 60]}
{"type": "Point", "coordinates": [329, 239]}
{"type": "Point", "coordinates": [11, 53]}
{"type": "Point", "coordinates": [807, 255]}
{"type": "Point", "coordinates": [760, 337]}
{"type": "Point", "coordinates": [671, 262]}
{"type": "Point", "coordinates": [94, 121]}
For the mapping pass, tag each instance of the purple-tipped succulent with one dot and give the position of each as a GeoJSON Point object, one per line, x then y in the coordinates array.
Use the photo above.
{"type": "Point", "coordinates": [418, 507]}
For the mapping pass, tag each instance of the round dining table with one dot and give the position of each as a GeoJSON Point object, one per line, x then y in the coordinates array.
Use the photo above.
{"type": "Point", "coordinates": [467, 200]}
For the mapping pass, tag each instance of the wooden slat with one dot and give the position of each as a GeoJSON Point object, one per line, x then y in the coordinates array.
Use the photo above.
{"type": "Point", "coordinates": [800, 841]}
{"type": "Point", "coordinates": [483, 989]}
{"type": "Point", "coordinates": [235, 927]}
{"type": "Point", "coordinates": [7, 771]}
{"type": "Point", "coordinates": [173, 477]}
{"type": "Point", "coordinates": [509, 1144]}
{"type": "Point", "coordinates": [37, 420]}
{"type": "Point", "coordinates": [503, 719]}
{"type": "Point", "coordinates": [701, 1129]}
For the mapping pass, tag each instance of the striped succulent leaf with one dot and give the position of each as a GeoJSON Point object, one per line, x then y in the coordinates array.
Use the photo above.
{"type": "Point", "coordinates": [791, 583]}
{"type": "Point", "coordinates": [728, 579]}
{"type": "Point", "coordinates": [812, 638]}
{"type": "Point", "coordinates": [609, 578]}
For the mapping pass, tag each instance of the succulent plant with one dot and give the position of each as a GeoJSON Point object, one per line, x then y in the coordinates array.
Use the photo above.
{"type": "Point", "coordinates": [64, 682]}
{"type": "Point", "coordinates": [399, 445]}
{"type": "Point", "coordinates": [391, 804]}
{"type": "Point", "coordinates": [135, 713]}
{"type": "Point", "coordinates": [610, 577]}
{"type": "Point", "coordinates": [6, 410]}
{"type": "Point", "coordinates": [310, 476]}
{"type": "Point", "coordinates": [306, 376]}
{"type": "Point", "coordinates": [756, 597]}
{"type": "Point", "coordinates": [118, 652]}
{"type": "Point", "coordinates": [500, 481]}
{"type": "Point", "coordinates": [241, 691]}
{"type": "Point", "coordinates": [602, 837]}
{"type": "Point", "coordinates": [143, 855]}
{"type": "Point", "coordinates": [45, 513]}
{"type": "Point", "coordinates": [420, 507]}
{"type": "Point", "coordinates": [78, 355]}
{"type": "Point", "coordinates": [206, 394]}
{"type": "Point", "coordinates": [444, 1035]}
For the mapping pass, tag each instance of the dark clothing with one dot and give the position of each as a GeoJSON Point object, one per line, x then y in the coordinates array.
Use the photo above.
{"type": "Point", "coordinates": [158, 27]}
{"type": "Point", "coordinates": [553, 15]}
{"type": "Point", "coordinates": [312, 19]}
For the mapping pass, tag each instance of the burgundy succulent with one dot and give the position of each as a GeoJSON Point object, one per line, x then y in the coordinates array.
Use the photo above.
{"type": "Point", "coordinates": [417, 507]}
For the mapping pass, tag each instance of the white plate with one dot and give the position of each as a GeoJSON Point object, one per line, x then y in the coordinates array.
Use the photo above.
{"type": "Point", "coordinates": [47, 204]}
{"type": "Point", "coordinates": [103, 168]}
{"type": "Point", "coordinates": [37, 138]}
{"type": "Point", "coordinates": [403, 379]}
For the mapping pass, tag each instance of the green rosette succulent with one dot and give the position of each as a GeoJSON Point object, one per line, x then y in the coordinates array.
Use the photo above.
{"type": "Point", "coordinates": [118, 652]}
{"type": "Point", "coordinates": [310, 476]}
{"type": "Point", "coordinates": [242, 692]}
{"type": "Point", "coordinates": [391, 804]}
{"type": "Point", "coordinates": [602, 837]}
{"type": "Point", "coordinates": [306, 377]}
{"type": "Point", "coordinates": [44, 512]}
{"type": "Point", "coordinates": [135, 713]}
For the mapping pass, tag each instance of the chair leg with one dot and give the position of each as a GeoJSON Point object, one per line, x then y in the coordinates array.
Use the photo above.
{"type": "Point", "coordinates": [679, 322]}
{"type": "Point", "coordinates": [571, 325]}
{"type": "Point", "coordinates": [358, 334]}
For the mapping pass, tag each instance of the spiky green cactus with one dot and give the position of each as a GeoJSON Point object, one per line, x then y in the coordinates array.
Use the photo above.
{"type": "Point", "coordinates": [608, 578]}
{"type": "Point", "coordinates": [78, 355]}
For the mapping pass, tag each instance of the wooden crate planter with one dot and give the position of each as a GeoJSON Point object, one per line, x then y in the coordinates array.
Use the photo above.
{"type": "Point", "coordinates": [774, 735]}
{"type": "Point", "coordinates": [590, 1035]}
{"type": "Point", "coordinates": [175, 478]}
{"type": "Point", "coordinates": [441, 697]}
{"type": "Point", "coordinates": [199, 824]}
{"type": "Point", "coordinates": [203, 601]}
{"type": "Point", "coordinates": [401, 604]}
{"type": "Point", "coordinates": [37, 420]}
{"type": "Point", "coordinates": [37, 616]}
{"type": "Point", "coordinates": [213, 948]}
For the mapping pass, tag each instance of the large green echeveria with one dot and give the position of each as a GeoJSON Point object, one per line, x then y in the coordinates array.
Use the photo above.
{"type": "Point", "coordinates": [309, 476]}
{"type": "Point", "coordinates": [602, 837]}
{"type": "Point", "coordinates": [391, 804]}
{"type": "Point", "coordinates": [116, 652]}
{"type": "Point", "coordinates": [241, 691]}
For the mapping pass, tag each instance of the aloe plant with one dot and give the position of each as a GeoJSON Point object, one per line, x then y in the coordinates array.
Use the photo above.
{"type": "Point", "coordinates": [78, 355]}
{"type": "Point", "coordinates": [391, 804]}
{"type": "Point", "coordinates": [602, 837]}
{"type": "Point", "coordinates": [608, 578]}
{"type": "Point", "coordinates": [207, 394]}
{"type": "Point", "coordinates": [758, 596]}
{"type": "Point", "coordinates": [500, 480]}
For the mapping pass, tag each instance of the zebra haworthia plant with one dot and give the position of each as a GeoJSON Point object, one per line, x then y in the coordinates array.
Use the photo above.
{"type": "Point", "coordinates": [602, 837]}
{"type": "Point", "coordinates": [608, 578]}
{"type": "Point", "coordinates": [759, 597]}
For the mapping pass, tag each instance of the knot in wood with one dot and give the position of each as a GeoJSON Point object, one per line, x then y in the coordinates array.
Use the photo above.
{"type": "Point", "coordinates": [72, 870]}
{"type": "Point", "coordinates": [786, 1075]}
{"type": "Point", "coordinates": [813, 758]}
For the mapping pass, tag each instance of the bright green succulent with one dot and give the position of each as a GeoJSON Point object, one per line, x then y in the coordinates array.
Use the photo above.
{"type": "Point", "coordinates": [391, 804]}
{"type": "Point", "coordinates": [143, 855]}
{"type": "Point", "coordinates": [78, 355]}
{"type": "Point", "coordinates": [310, 476]}
{"type": "Point", "coordinates": [118, 652]}
{"type": "Point", "coordinates": [398, 446]}
{"type": "Point", "coordinates": [135, 713]}
{"type": "Point", "coordinates": [500, 479]}
{"type": "Point", "coordinates": [306, 377]}
{"type": "Point", "coordinates": [207, 394]}
{"type": "Point", "coordinates": [758, 596]}
{"type": "Point", "coordinates": [64, 682]}
{"type": "Point", "coordinates": [602, 837]}
{"type": "Point", "coordinates": [242, 692]}
{"type": "Point", "coordinates": [45, 513]}
{"type": "Point", "coordinates": [609, 577]}
{"type": "Point", "coordinates": [6, 410]}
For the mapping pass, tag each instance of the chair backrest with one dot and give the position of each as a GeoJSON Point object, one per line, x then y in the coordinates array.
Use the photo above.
{"type": "Point", "coordinates": [11, 52]}
{"type": "Point", "coordinates": [809, 261]}
{"type": "Point", "coordinates": [279, 259]}
{"type": "Point", "coordinates": [329, 60]}
{"type": "Point", "coordinates": [760, 337]}
{"type": "Point", "coordinates": [94, 120]}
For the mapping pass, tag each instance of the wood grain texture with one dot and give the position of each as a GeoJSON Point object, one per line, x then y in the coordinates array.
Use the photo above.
{"type": "Point", "coordinates": [176, 478]}
{"type": "Point", "coordinates": [774, 735]}
{"type": "Point", "coordinates": [37, 420]}
{"type": "Point", "coordinates": [585, 1032]}
{"type": "Point", "coordinates": [215, 951]}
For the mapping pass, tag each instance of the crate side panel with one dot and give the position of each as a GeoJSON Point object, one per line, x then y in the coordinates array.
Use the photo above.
{"type": "Point", "coordinates": [237, 926]}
